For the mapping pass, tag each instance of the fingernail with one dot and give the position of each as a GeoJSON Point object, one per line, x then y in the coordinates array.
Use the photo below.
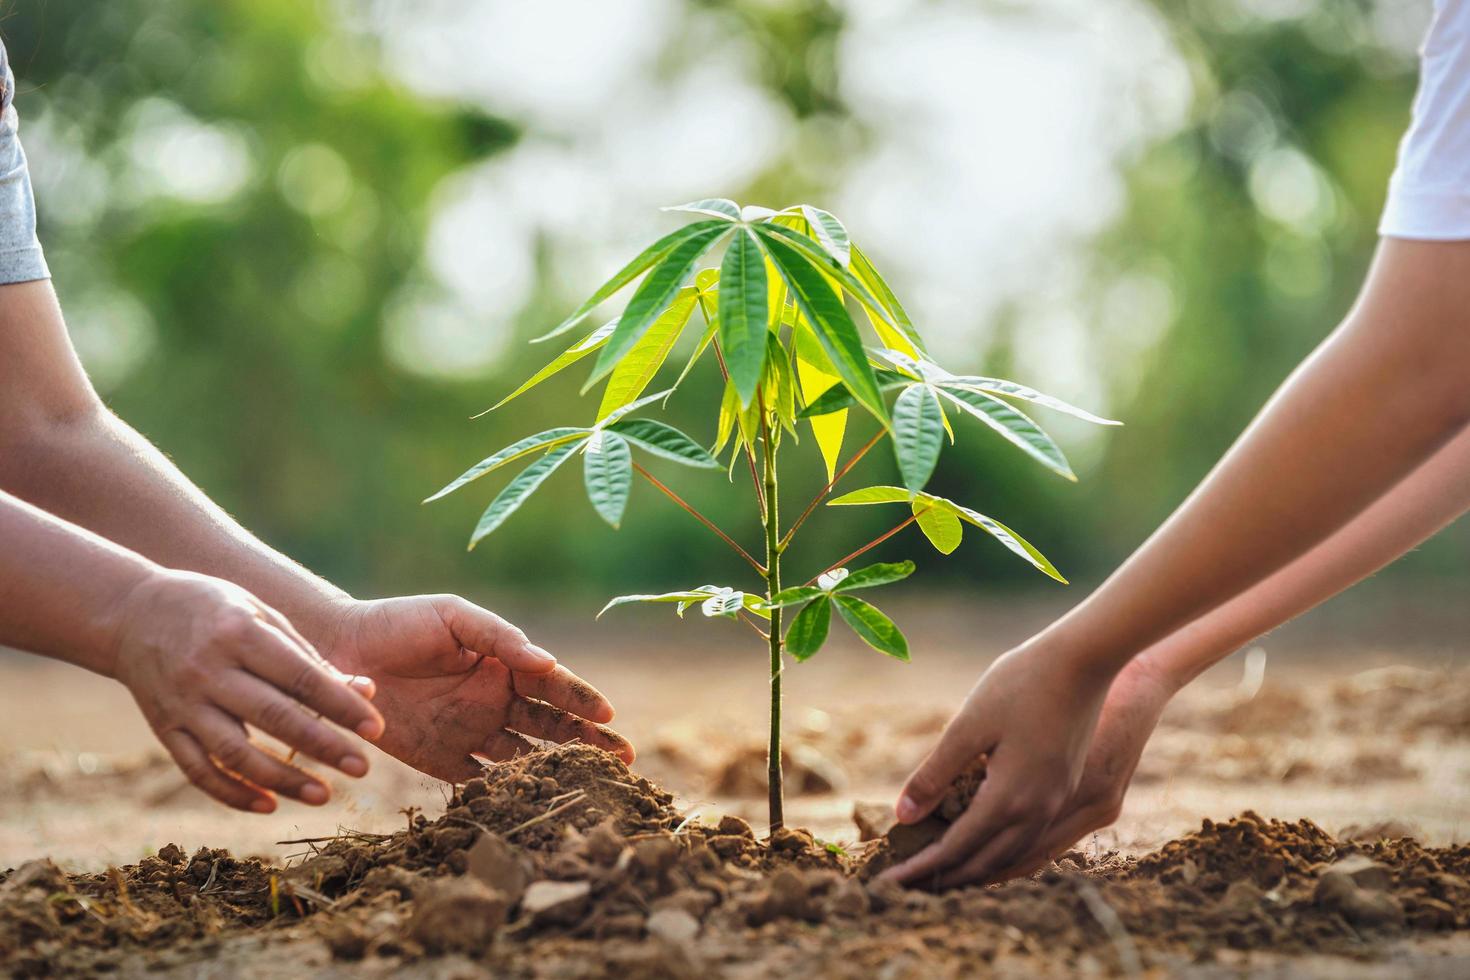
{"type": "Point", "coordinates": [540, 654]}
{"type": "Point", "coordinates": [364, 685]}
{"type": "Point", "coordinates": [314, 794]}
{"type": "Point", "coordinates": [263, 806]}
{"type": "Point", "coordinates": [906, 810]}
{"type": "Point", "coordinates": [370, 729]}
{"type": "Point", "coordinates": [353, 765]}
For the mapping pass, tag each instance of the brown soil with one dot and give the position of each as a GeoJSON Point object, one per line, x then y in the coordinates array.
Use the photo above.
{"type": "Point", "coordinates": [565, 863]}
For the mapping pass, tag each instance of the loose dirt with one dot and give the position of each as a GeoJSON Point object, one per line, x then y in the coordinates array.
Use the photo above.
{"type": "Point", "coordinates": [566, 864]}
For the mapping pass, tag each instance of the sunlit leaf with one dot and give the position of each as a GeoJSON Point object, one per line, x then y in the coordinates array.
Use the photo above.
{"type": "Point", "coordinates": [809, 629]}
{"type": "Point", "coordinates": [637, 369]}
{"type": "Point", "coordinates": [743, 312]}
{"type": "Point", "coordinates": [520, 489]}
{"type": "Point", "coordinates": [837, 397]}
{"type": "Point", "coordinates": [780, 386]}
{"type": "Point", "coordinates": [792, 597]}
{"type": "Point", "coordinates": [835, 275]}
{"type": "Point", "coordinates": [647, 258]}
{"type": "Point", "coordinates": [655, 293]}
{"type": "Point", "coordinates": [1014, 425]}
{"type": "Point", "coordinates": [904, 337]}
{"type": "Point", "coordinates": [871, 495]}
{"type": "Point", "coordinates": [607, 471]}
{"type": "Point", "coordinates": [940, 525]}
{"type": "Point", "coordinates": [918, 434]}
{"type": "Point", "coordinates": [816, 376]}
{"type": "Point", "coordinates": [829, 233]}
{"type": "Point", "coordinates": [522, 447]}
{"type": "Point", "coordinates": [831, 578]}
{"type": "Point", "coordinates": [719, 207]}
{"type": "Point", "coordinates": [833, 326]}
{"type": "Point", "coordinates": [565, 359]}
{"type": "Point", "coordinates": [881, 573]}
{"type": "Point", "coordinates": [1013, 541]}
{"type": "Point", "coordinates": [875, 629]}
{"type": "Point", "coordinates": [664, 440]}
{"type": "Point", "coordinates": [632, 407]}
{"type": "Point", "coordinates": [680, 597]}
{"type": "Point", "coordinates": [999, 386]}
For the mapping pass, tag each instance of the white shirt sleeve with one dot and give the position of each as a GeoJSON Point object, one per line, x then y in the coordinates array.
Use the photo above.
{"type": "Point", "coordinates": [21, 259]}
{"type": "Point", "coordinates": [1429, 194]}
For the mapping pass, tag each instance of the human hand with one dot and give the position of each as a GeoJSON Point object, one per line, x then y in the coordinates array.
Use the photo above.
{"type": "Point", "coordinates": [1129, 715]}
{"type": "Point", "coordinates": [203, 657]}
{"type": "Point", "coordinates": [456, 681]}
{"type": "Point", "coordinates": [1033, 718]}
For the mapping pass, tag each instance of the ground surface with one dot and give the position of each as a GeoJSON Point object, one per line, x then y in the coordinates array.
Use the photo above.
{"type": "Point", "coordinates": [1365, 736]}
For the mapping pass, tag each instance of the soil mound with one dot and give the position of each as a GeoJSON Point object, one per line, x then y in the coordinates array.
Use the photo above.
{"type": "Point", "coordinates": [565, 863]}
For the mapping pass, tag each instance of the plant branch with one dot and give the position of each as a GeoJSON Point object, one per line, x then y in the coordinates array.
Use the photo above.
{"type": "Point", "coordinates": [701, 518]}
{"type": "Point", "coordinates": [867, 547]}
{"type": "Point", "coordinates": [822, 494]}
{"type": "Point", "coordinates": [746, 618]}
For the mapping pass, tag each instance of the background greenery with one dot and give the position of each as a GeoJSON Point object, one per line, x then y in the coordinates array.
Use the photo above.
{"type": "Point", "coordinates": [236, 196]}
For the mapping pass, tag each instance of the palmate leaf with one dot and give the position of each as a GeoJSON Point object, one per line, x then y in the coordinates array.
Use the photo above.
{"type": "Point", "coordinates": [644, 260]}
{"type": "Point", "coordinates": [638, 367]}
{"type": "Point", "coordinates": [999, 386]}
{"type": "Point", "coordinates": [882, 573]}
{"type": "Point", "coordinates": [794, 596]}
{"type": "Point", "coordinates": [743, 304]}
{"type": "Point", "coordinates": [714, 600]}
{"type": "Point", "coordinates": [838, 397]}
{"type": "Point", "coordinates": [664, 440]}
{"type": "Point", "coordinates": [901, 335]}
{"type": "Point", "coordinates": [831, 322]}
{"type": "Point", "coordinates": [565, 359]}
{"type": "Point", "coordinates": [655, 293]}
{"type": "Point", "coordinates": [816, 376]}
{"type": "Point", "coordinates": [829, 232]}
{"type": "Point", "coordinates": [809, 629]}
{"type": "Point", "coordinates": [522, 447]}
{"type": "Point", "coordinates": [874, 628]}
{"type": "Point", "coordinates": [518, 490]}
{"type": "Point", "coordinates": [632, 407]}
{"type": "Point", "coordinates": [1013, 424]}
{"type": "Point", "coordinates": [941, 526]}
{"type": "Point", "coordinates": [918, 434]}
{"type": "Point", "coordinates": [1010, 539]}
{"type": "Point", "coordinates": [607, 472]}
{"type": "Point", "coordinates": [820, 261]}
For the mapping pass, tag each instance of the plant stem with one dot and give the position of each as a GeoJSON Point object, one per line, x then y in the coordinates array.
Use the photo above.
{"type": "Point", "coordinates": [701, 518]}
{"type": "Point", "coordinates": [760, 495]}
{"type": "Point", "coordinates": [772, 520]}
{"type": "Point", "coordinates": [867, 547]}
{"type": "Point", "coordinates": [822, 495]}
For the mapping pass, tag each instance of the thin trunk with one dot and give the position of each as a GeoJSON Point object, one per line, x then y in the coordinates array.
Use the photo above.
{"type": "Point", "coordinates": [773, 585]}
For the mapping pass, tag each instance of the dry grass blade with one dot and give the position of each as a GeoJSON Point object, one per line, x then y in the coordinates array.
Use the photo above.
{"type": "Point", "coordinates": [578, 798]}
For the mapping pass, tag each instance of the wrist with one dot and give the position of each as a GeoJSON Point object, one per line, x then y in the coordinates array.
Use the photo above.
{"type": "Point", "coordinates": [121, 616]}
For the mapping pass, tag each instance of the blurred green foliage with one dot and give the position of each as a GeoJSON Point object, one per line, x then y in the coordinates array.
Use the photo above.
{"type": "Point", "coordinates": [265, 373]}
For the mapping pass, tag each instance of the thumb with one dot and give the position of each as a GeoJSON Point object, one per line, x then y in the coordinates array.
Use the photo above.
{"type": "Point", "coordinates": [487, 634]}
{"type": "Point", "coordinates": [958, 747]}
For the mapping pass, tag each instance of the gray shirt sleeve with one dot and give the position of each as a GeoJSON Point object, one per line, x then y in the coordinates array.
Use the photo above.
{"type": "Point", "coordinates": [21, 259]}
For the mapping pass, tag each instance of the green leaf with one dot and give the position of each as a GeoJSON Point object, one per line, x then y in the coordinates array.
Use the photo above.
{"type": "Point", "coordinates": [871, 495]}
{"type": "Point", "coordinates": [940, 525]}
{"type": "Point", "coordinates": [682, 597]}
{"type": "Point", "coordinates": [654, 294]}
{"type": "Point", "coordinates": [743, 312]}
{"type": "Point", "coordinates": [838, 397]}
{"type": "Point", "coordinates": [565, 359]}
{"type": "Point", "coordinates": [905, 337]}
{"type": "Point", "coordinates": [824, 263]}
{"type": "Point", "coordinates": [882, 573]}
{"type": "Point", "coordinates": [999, 386]}
{"type": "Point", "coordinates": [705, 340]}
{"type": "Point", "coordinates": [816, 376]}
{"type": "Point", "coordinates": [875, 629]}
{"type": "Point", "coordinates": [646, 258]}
{"type": "Point", "coordinates": [520, 489]}
{"type": "Point", "coordinates": [1014, 425]}
{"type": "Point", "coordinates": [779, 385]}
{"type": "Point", "coordinates": [664, 440]}
{"type": "Point", "coordinates": [829, 233]}
{"type": "Point", "coordinates": [724, 602]}
{"type": "Point", "coordinates": [792, 597]}
{"type": "Point", "coordinates": [918, 434]}
{"type": "Point", "coordinates": [1009, 538]}
{"type": "Point", "coordinates": [636, 370]}
{"type": "Point", "coordinates": [522, 447]}
{"type": "Point", "coordinates": [607, 471]}
{"type": "Point", "coordinates": [719, 207]}
{"type": "Point", "coordinates": [834, 327]}
{"type": "Point", "coordinates": [632, 407]}
{"type": "Point", "coordinates": [809, 629]}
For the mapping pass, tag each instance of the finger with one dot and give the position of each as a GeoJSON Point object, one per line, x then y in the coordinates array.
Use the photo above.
{"type": "Point", "coordinates": [194, 763]}
{"type": "Point", "coordinates": [963, 838]}
{"type": "Point", "coordinates": [487, 634]}
{"type": "Point", "coordinates": [225, 740]}
{"type": "Point", "coordinates": [563, 689]}
{"type": "Point", "coordinates": [540, 720]}
{"type": "Point", "coordinates": [959, 746]}
{"type": "Point", "coordinates": [275, 658]}
{"type": "Point", "coordinates": [504, 746]}
{"type": "Point", "coordinates": [1002, 849]}
{"type": "Point", "coordinates": [253, 700]}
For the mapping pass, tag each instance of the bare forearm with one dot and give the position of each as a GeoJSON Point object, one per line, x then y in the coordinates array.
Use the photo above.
{"type": "Point", "coordinates": [97, 472]}
{"type": "Point", "coordinates": [1381, 396]}
{"type": "Point", "coordinates": [1423, 503]}
{"type": "Point", "coordinates": [61, 587]}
